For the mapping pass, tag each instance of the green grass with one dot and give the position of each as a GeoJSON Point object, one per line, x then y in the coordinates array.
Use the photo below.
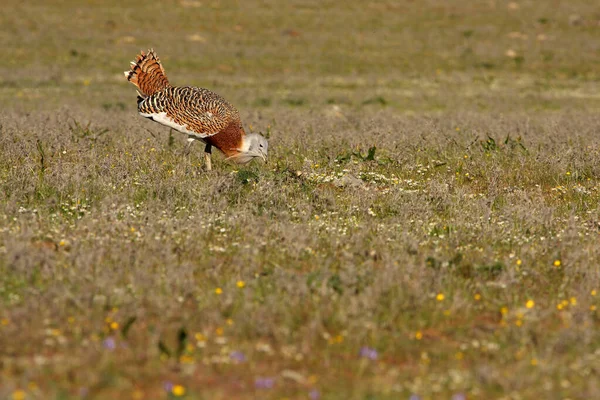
{"type": "Point", "coordinates": [428, 200]}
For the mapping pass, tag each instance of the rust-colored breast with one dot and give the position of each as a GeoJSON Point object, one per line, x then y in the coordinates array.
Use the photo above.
{"type": "Point", "coordinates": [228, 140]}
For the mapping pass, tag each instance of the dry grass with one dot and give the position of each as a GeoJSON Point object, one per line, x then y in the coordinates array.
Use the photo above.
{"type": "Point", "coordinates": [427, 223]}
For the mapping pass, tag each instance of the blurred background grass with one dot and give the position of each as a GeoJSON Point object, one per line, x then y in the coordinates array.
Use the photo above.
{"type": "Point", "coordinates": [426, 55]}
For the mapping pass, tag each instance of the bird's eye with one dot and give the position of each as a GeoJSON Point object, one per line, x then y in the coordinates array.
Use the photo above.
{"type": "Point", "coordinates": [260, 145]}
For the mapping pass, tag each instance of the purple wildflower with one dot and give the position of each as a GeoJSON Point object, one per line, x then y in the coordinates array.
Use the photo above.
{"type": "Point", "coordinates": [237, 356]}
{"type": "Point", "coordinates": [414, 397]}
{"type": "Point", "coordinates": [264, 383]}
{"type": "Point", "coordinates": [109, 343]}
{"type": "Point", "coordinates": [368, 352]}
{"type": "Point", "coordinates": [314, 394]}
{"type": "Point", "coordinates": [83, 391]}
{"type": "Point", "coordinates": [168, 386]}
{"type": "Point", "coordinates": [459, 396]}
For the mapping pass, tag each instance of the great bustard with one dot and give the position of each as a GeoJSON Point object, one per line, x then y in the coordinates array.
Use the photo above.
{"type": "Point", "coordinates": [197, 112]}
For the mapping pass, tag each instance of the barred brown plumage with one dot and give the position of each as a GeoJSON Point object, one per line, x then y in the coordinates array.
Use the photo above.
{"type": "Point", "coordinates": [200, 110]}
{"type": "Point", "coordinates": [200, 113]}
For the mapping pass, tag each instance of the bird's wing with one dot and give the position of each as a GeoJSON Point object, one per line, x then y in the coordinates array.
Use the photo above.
{"type": "Point", "coordinates": [197, 112]}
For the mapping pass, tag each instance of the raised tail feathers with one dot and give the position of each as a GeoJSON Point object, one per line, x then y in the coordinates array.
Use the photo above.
{"type": "Point", "coordinates": [147, 73]}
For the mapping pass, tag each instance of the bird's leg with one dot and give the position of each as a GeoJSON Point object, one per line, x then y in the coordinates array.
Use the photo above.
{"type": "Point", "coordinates": [188, 146]}
{"type": "Point", "coordinates": [207, 159]}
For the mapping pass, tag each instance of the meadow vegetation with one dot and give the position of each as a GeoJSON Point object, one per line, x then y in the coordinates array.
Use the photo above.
{"type": "Point", "coordinates": [426, 226]}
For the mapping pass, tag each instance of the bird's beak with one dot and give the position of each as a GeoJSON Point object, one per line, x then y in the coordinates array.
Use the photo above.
{"type": "Point", "coordinates": [264, 157]}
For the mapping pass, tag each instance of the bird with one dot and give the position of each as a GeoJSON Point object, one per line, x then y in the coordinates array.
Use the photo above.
{"type": "Point", "coordinates": [199, 113]}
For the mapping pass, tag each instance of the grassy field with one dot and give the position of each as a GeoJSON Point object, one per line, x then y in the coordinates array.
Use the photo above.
{"type": "Point", "coordinates": [427, 226]}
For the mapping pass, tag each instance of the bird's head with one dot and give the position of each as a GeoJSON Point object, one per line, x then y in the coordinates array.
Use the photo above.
{"type": "Point", "coordinates": [253, 146]}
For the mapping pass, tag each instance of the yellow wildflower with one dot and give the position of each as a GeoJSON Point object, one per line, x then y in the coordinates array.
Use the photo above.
{"type": "Point", "coordinates": [19, 394]}
{"type": "Point", "coordinates": [178, 390]}
{"type": "Point", "coordinates": [186, 359]}
{"type": "Point", "coordinates": [573, 301]}
{"type": "Point", "coordinates": [138, 394]}
{"type": "Point", "coordinates": [219, 290]}
{"type": "Point", "coordinates": [440, 297]}
{"type": "Point", "coordinates": [240, 284]}
{"type": "Point", "coordinates": [114, 326]}
{"type": "Point", "coordinates": [519, 262]}
{"type": "Point", "coordinates": [557, 263]}
{"type": "Point", "coordinates": [594, 292]}
{"type": "Point", "coordinates": [530, 304]}
{"type": "Point", "coordinates": [336, 339]}
{"type": "Point", "coordinates": [477, 297]}
{"type": "Point", "coordinates": [419, 335]}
